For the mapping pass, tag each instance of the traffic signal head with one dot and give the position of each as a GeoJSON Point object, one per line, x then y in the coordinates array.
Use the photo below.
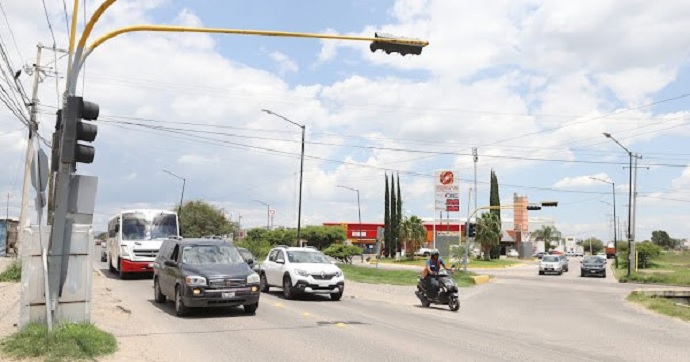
{"type": "Point", "coordinates": [401, 48]}
{"type": "Point", "coordinates": [472, 230]}
{"type": "Point", "coordinates": [75, 130]}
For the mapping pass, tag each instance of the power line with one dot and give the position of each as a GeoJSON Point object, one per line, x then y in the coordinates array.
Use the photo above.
{"type": "Point", "coordinates": [2, 8]}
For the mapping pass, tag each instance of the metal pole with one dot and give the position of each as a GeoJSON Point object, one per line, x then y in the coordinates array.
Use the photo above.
{"type": "Point", "coordinates": [301, 175]}
{"type": "Point", "coordinates": [184, 182]}
{"type": "Point", "coordinates": [615, 234]}
{"type": "Point", "coordinates": [475, 157]}
{"type": "Point", "coordinates": [268, 217]}
{"type": "Point", "coordinates": [634, 206]}
{"type": "Point", "coordinates": [467, 231]}
{"type": "Point", "coordinates": [630, 255]}
{"type": "Point", "coordinates": [33, 127]}
{"type": "Point", "coordinates": [359, 214]}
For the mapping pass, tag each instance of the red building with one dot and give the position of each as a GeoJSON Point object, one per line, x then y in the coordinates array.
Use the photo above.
{"type": "Point", "coordinates": [368, 231]}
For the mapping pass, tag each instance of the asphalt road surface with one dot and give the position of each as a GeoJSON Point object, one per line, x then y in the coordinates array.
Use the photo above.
{"type": "Point", "coordinates": [520, 316]}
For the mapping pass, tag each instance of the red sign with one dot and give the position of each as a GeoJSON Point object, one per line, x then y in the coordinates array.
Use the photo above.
{"type": "Point", "coordinates": [453, 208]}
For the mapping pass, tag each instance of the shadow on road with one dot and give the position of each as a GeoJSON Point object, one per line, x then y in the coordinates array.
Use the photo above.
{"type": "Point", "coordinates": [202, 313]}
{"type": "Point", "coordinates": [130, 276]}
{"type": "Point", "coordinates": [303, 297]}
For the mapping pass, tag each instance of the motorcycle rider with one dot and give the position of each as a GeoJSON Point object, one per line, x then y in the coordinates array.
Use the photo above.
{"type": "Point", "coordinates": [433, 265]}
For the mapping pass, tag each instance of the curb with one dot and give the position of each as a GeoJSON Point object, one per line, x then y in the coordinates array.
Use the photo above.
{"type": "Point", "coordinates": [480, 279]}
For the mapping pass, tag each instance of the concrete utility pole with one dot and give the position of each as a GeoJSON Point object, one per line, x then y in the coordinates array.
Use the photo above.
{"type": "Point", "coordinates": [33, 129]}
{"type": "Point", "coordinates": [475, 157]}
{"type": "Point", "coordinates": [634, 206]}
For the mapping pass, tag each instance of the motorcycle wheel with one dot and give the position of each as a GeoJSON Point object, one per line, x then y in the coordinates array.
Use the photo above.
{"type": "Point", "coordinates": [453, 304]}
{"type": "Point", "coordinates": [426, 303]}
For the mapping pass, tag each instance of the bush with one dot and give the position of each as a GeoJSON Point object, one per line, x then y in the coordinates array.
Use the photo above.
{"type": "Point", "coordinates": [343, 253]}
{"type": "Point", "coordinates": [13, 273]}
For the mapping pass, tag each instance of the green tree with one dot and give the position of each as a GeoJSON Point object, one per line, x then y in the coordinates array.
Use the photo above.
{"type": "Point", "coordinates": [343, 253]}
{"type": "Point", "coordinates": [548, 234]}
{"type": "Point", "coordinates": [199, 218]}
{"type": "Point", "coordinates": [662, 239]}
{"type": "Point", "coordinates": [593, 245]}
{"type": "Point", "coordinates": [398, 216]}
{"type": "Point", "coordinates": [390, 250]}
{"type": "Point", "coordinates": [488, 233]}
{"type": "Point", "coordinates": [646, 251]}
{"type": "Point", "coordinates": [322, 237]}
{"type": "Point", "coordinates": [102, 236]}
{"type": "Point", "coordinates": [495, 200]}
{"type": "Point", "coordinates": [413, 234]}
{"type": "Point", "coordinates": [387, 218]}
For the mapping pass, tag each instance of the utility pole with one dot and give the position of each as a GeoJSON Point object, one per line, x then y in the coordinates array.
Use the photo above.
{"type": "Point", "coordinates": [475, 157]}
{"type": "Point", "coordinates": [33, 129]}
{"type": "Point", "coordinates": [634, 206]}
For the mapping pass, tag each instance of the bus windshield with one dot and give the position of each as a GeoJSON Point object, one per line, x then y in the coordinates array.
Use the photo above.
{"type": "Point", "coordinates": [143, 226]}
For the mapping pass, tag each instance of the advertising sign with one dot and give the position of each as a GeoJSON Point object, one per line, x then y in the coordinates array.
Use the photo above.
{"type": "Point", "coordinates": [447, 190]}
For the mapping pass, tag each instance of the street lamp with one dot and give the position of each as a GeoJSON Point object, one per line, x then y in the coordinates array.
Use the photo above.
{"type": "Point", "coordinates": [630, 237]}
{"type": "Point", "coordinates": [268, 214]}
{"type": "Point", "coordinates": [301, 172]}
{"type": "Point", "coordinates": [359, 210]}
{"type": "Point", "coordinates": [615, 234]}
{"type": "Point", "coordinates": [179, 210]}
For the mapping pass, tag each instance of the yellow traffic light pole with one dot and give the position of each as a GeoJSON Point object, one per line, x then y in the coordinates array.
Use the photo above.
{"type": "Point", "coordinates": [82, 52]}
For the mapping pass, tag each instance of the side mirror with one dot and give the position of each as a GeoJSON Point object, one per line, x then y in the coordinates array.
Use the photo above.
{"type": "Point", "coordinates": [250, 261]}
{"type": "Point", "coordinates": [280, 261]}
{"type": "Point", "coordinates": [170, 263]}
{"type": "Point", "coordinates": [117, 228]}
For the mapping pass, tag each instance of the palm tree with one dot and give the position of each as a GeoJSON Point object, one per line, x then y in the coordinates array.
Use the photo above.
{"type": "Point", "coordinates": [548, 234]}
{"type": "Point", "coordinates": [488, 233]}
{"type": "Point", "coordinates": [412, 231]}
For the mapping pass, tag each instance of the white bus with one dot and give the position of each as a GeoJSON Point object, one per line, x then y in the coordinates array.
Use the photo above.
{"type": "Point", "coordinates": [135, 236]}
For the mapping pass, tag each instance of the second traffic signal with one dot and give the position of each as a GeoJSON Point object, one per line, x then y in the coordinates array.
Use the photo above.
{"type": "Point", "coordinates": [471, 230]}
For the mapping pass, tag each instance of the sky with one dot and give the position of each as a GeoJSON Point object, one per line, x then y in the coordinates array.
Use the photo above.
{"type": "Point", "coordinates": [533, 85]}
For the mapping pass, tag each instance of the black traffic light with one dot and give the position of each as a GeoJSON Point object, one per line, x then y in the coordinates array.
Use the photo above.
{"type": "Point", "coordinates": [395, 47]}
{"type": "Point", "coordinates": [472, 230]}
{"type": "Point", "coordinates": [533, 207]}
{"type": "Point", "coordinates": [75, 130]}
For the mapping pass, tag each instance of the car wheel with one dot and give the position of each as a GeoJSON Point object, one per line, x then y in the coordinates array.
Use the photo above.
{"type": "Point", "coordinates": [337, 296]}
{"type": "Point", "coordinates": [288, 293]}
{"type": "Point", "coordinates": [180, 309]}
{"type": "Point", "coordinates": [541, 272]}
{"type": "Point", "coordinates": [582, 275]}
{"type": "Point", "coordinates": [264, 284]}
{"type": "Point", "coordinates": [251, 308]}
{"type": "Point", "coordinates": [157, 295]}
{"type": "Point", "coordinates": [560, 272]}
{"type": "Point", "coordinates": [426, 255]}
{"type": "Point", "coordinates": [604, 275]}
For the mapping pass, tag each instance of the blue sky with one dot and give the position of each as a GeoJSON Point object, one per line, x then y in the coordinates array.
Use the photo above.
{"type": "Point", "coordinates": [532, 84]}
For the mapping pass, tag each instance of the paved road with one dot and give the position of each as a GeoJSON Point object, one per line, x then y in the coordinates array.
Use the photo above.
{"type": "Point", "coordinates": [521, 316]}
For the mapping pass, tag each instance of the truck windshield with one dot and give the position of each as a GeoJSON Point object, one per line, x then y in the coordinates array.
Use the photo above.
{"type": "Point", "coordinates": [142, 226]}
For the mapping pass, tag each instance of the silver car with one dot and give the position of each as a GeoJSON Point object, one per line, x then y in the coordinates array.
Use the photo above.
{"type": "Point", "coordinates": [564, 262]}
{"type": "Point", "coordinates": [550, 264]}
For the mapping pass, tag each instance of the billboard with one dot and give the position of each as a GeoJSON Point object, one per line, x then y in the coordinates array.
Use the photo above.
{"type": "Point", "coordinates": [447, 191]}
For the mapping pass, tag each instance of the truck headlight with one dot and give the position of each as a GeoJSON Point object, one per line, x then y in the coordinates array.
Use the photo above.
{"type": "Point", "coordinates": [195, 281]}
{"type": "Point", "coordinates": [253, 279]}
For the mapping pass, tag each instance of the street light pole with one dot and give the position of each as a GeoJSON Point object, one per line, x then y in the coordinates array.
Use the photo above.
{"type": "Point", "coordinates": [179, 209]}
{"type": "Point", "coordinates": [301, 172]}
{"type": "Point", "coordinates": [615, 234]}
{"type": "Point", "coordinates": [268, 214]}
{"type": "Point", "coordinates": [630, 240]}
{"type": "Point", "coordinates": [359, 210]}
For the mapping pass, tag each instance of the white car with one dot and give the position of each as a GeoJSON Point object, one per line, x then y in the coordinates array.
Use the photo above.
{"type": "Point", "coordinates": [424, 251]}
{"type": "Point", "coordinates": [550, 264]}
{"type": "Point", "coordinates": [301, 270]}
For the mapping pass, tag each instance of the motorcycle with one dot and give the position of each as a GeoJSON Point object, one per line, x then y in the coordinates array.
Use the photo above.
{"type": "Point", "coordinates": [447, 292]}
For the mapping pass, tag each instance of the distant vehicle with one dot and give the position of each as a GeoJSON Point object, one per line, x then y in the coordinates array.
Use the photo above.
{"type": "Point", "coordinates": [550, 264]}
{"type": "Point", "coordinates": [134, 237]}
{"type": "Point", "coordinates": [301, 270]}
{"type": "Point", "coordinates": [579, 253]}
{"type": "Point", "coordinates": [593, 265]}
{"type": "Point", "coordinates": [513, 253]}
{"type": "Point", "coordinates": [610, 251]}
{"type": "Point", "coordinates": [424, 251]}
{"type": "Point", "coordinates": [104, 250]}
{"type": "Point", "coordinates": [602, 256]}
{"type": "Point", "coordinates": [203, 273]}
{"type": "Point", "coordinates": [564, 262]}
{"type": "Point", "coordinates": [539, 255]}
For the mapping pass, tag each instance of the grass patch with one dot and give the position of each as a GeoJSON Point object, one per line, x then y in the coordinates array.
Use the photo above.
{"type": "Point", "coordinates": [13, 273]}
{"type": "Point", "coordinates": [68, 342]}
{"type": "Point", "coordinates": [395, 277]}
{"type": "Point", "coordinates": [668, 268]}
{"type": "Point", "coordinates": [474, 263]}
{"type": "Point", "coordinates": [660, 305]}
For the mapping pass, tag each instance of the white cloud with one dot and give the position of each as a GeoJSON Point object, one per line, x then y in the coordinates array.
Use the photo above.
{"type": "Point", "coordinates": [285, 64]}
{"type": "Point", "coordinates": [581, 181]}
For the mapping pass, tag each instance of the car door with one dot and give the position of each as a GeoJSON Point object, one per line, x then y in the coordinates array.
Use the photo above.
{"type": "Point", "coordinates": [268, 266]}
{"type": "Point", "coordinates": [170, 272]}
{"type": "Point", "coordinates": [279, 267]}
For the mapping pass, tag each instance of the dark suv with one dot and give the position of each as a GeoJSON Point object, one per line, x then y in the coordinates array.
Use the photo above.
{"type": "Point", "coordinates": [204, 273]}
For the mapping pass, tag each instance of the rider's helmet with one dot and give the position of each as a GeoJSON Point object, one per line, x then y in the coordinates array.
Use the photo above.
{"type": "Point", "coordinates": [434, 253]}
